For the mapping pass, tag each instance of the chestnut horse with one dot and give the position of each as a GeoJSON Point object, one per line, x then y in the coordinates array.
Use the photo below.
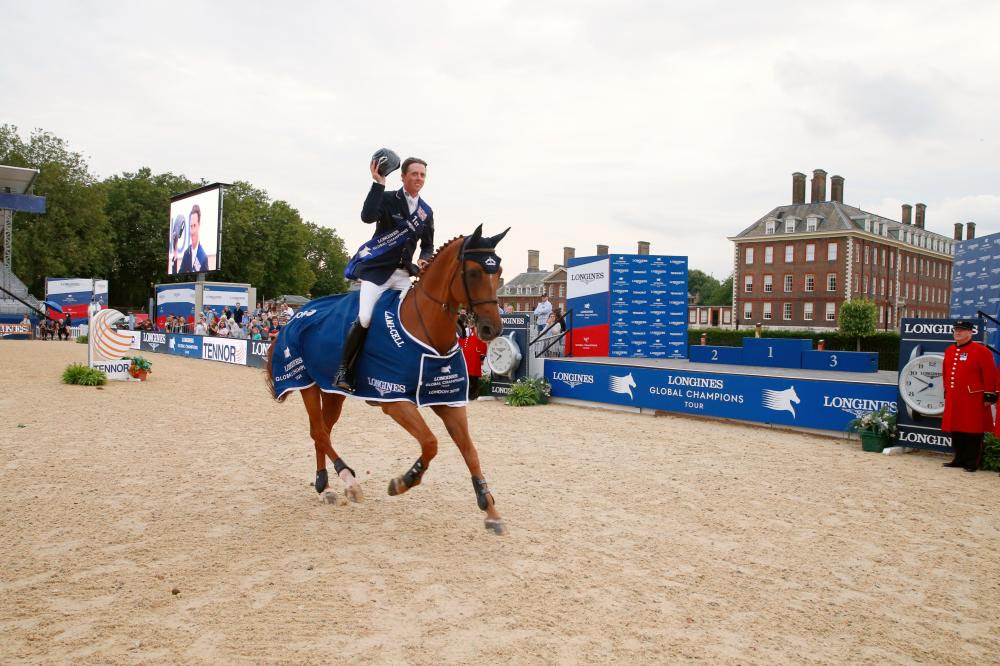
{"type": "Point", "coordinates": [465, 270]}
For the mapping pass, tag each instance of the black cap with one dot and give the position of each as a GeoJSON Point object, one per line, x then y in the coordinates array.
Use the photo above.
{"type": "Point", "coordinates": [963, 324]}
{"type": "Point", "coordinates": [386, 160]}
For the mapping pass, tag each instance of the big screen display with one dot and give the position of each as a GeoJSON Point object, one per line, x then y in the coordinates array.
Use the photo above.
{"type": "Point", "coordinates": [194, 234]}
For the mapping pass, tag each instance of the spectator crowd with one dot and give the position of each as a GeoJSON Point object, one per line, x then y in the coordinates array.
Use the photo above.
{"type": "Point", "coordinates": [232, 322]}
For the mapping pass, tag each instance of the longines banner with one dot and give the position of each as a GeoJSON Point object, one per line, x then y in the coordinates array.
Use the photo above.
{"type": "Point", "coordinates": [225, 350]}
{"type": "Point", "coordinates": [975, 282]}
{"type": "Point", "coordinates": [785, 401]}
{"type": "Point", "coordinates": [516, 324]}
{"type": "Point", "coordinates": [629, 305]}
{"type": "Point", "coordinates": [921, 375]}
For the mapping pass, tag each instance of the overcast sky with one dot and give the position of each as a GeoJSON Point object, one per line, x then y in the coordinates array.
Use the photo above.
{"type": "Point", "coordinates": [576, 123]}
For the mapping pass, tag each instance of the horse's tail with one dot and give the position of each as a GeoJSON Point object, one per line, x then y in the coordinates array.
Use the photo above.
{"type": "Point", "coordinates": [269, 376]}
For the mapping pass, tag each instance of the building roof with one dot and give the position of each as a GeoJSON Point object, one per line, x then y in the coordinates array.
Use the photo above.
{"type": "Point", "coordinates": [529, 280]}
{"type": "Point", "coordinates": [833, 216]}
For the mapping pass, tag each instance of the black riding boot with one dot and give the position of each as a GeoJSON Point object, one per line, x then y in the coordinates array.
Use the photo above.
{"type": "Point", "coordinates": [353, 344]}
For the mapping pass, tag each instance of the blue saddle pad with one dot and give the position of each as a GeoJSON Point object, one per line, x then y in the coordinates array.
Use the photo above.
{"type": "Point", "coordinates": [392, 366]}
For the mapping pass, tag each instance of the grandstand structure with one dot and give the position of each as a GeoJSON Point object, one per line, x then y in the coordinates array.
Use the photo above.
{"type": "Point", "coordinates": [16, 185]}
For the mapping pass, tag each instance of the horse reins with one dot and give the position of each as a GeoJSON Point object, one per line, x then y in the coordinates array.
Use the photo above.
{"type": "Point", "coordinates": [465, 283]}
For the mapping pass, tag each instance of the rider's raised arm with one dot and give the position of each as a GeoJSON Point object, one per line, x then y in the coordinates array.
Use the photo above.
{"type": "Point", "coordinates": [371, 211]}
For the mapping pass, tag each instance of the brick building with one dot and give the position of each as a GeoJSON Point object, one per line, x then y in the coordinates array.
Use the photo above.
{"type": "Point", "coordinates": [795, 266]}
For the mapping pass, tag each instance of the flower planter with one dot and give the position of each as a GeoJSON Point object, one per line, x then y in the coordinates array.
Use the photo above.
{"type": "Point", "coordinates": [874, 442]}
{"type": "Point", "coordinates": [139, 373]}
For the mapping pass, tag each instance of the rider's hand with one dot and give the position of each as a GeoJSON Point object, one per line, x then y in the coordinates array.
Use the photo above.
{"type": "Point", "coordinates": [421, 263]}
{"type": "Point", "coordinates": [376, 176]}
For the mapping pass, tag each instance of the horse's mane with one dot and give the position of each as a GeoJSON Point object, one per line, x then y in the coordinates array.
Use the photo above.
{"type": "Point", "coordinates": [442, 248]}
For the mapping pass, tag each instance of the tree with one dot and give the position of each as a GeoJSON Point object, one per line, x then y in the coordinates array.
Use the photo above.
{"type": "Point", "coordinates": [138, 208]}
{"type": "Point", "coordinates": [701, 285]}
{"type": "Point", "coordinates": [327, 257]}
{"type": "Point", "coordinates": [858, 319]}
{"type": "Point", "coordinates": [73, 238]}
{"type": "Point", "coordinates": [722, 294]}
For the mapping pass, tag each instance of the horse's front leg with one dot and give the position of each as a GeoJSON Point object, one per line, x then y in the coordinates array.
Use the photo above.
{"type": "Point", "coordinates": [457, 423]}
{"type": "Point", "coordinates": [407, 415]}
{"type": "Point", "coordinates": [323, 411]}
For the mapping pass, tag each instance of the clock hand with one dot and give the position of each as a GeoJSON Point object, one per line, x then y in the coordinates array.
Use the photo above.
{"type": "Point", "coordinates": [925, 388]}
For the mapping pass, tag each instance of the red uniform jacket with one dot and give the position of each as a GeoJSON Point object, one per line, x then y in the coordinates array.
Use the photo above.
{"type": "Point", "coordinates": [968, 371]}
{"type": "Point", "coordinates": [473, 348]}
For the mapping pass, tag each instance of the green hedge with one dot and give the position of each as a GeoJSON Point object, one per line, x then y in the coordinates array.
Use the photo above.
{"type": "Point", "coordinates": [886, 344]}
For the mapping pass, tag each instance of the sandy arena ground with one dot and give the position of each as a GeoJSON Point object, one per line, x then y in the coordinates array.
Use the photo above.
{"type": "Point", "coordinates": [632, 538]}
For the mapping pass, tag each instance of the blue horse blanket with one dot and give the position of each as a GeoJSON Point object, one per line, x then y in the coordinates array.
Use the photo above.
{"type": "Point", "coordinates": [392, 366]}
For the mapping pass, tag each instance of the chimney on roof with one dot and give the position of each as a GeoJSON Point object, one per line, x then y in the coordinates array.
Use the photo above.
{"type": "Point", "coordinates": [643, 247]}
{"type": "Point", "coordinates": [837, 188]}
{"type": "Point", "coordinates": [798, 188]}
{"type": "Point", "coordinates": [919, 218]}
{"type": "Point", "coordinates": [958, 231]}
{"type": "Point", "coordinates": [602, 250]}
{"type": "Point", "coordinates": [970, 230]}
{"type": "Point", "coordinates": [818, 186]}
{"type": "Point", "coordinates": [568, 253]}
{"type": "Point", "coordinates": [907, 208]}
{"type": "Point", "coordinates": [532, 261]}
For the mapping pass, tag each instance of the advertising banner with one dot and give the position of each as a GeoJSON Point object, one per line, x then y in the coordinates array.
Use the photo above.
{"type": "Point", "coordinates": [975, 283]}
{"type": "Point", "coordinates": [786, 401]}
{"type": "Point", "coordinates": [176, 300]}
{"type": "Point", "coordinates": [107, 346]}
{"type": "Point", "coordinates": [257, 353]}
{"type": "Point", "coordinates": [226, 350]}
{"type": "Point", "coordinates": [153, 342]}
{"type": "Point", "coordinates": [73, 295]}
{"type": "Point", "coordinates": [184, 345]}
{"type": "Point", "coordinates": [515, 326]}
{"type": "Point", "coordinates": [921, 381]}
{"type": "Point", "coordinates": [218, 297]}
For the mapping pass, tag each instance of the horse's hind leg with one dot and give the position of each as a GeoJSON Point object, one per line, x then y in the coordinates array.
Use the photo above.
{"type": "Point", "coordinates": [332, 405]}
{"type": "Point", "coordinates": [457, 423]}
{"type": "Point", "coordinates": [407, 415]}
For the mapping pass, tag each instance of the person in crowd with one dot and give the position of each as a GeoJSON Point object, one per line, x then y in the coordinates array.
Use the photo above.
{"type": "Point", "coordinates": [508, 309]}
{"type": "Point", "coordinates": [970, 381]}
{"type": "Point", "coordinates": [238, 315]}
{"type": "Point", "coordinates": [255, 333]}
{"type": "Point", "coordinates": [64, 327]}
{"type": "Point", "coordinates": [542, 312]}
{"type": "Point", "coordinates": [222, 330]}
{"type": "Point", "coordinates": [200, 328]}
{"type": "Point", "coordinates": [195, 259]}
{"type": "Point", "coordinates": [557, 328]}
{"type": "Point", "coordinates": [272, 331]}
{"type": "Point", "coordinates": [213, 328]}
{"type": "Point", "coordinates": [474, 350]}
{"type": "Point", "coordinates": [26, 322]}
{"type": "Point", "coordinates": [402, 219]}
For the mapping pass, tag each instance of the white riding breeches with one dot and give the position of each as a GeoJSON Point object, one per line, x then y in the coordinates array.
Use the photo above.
{"type": "Point", "coordinates": [370, 293]}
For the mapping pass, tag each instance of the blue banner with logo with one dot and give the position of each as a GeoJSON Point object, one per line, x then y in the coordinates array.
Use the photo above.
{"type": "Point", "coordinates": [786, 401]}
{"type": "Point", "coordinates": [184, 345]}
{"type": "Point", "coordinates": [975, 283]}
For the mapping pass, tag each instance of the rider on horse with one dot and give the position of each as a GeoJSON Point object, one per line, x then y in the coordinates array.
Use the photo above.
{"type": "Point", "coordinates": [386, 261]}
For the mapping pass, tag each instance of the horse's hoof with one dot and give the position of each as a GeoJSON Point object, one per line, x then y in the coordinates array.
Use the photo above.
{"type": "Point", "coordinates": [322, 481]}
{"type": "Point", "coordinates": [396, 487]}
{"type": "Point", "coordinates": [353, 493]}
{"type": "Point", "coordinates": [496, 525]}
{"type": "Point", "coordinates": [330, 497]}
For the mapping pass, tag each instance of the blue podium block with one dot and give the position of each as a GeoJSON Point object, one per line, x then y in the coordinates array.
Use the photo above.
{"type": "Point", "coordinates": [715, 354]}
{"type": "Point", "coordinates": [843, 361]}
{"type": "Point", "coordinates": [775, 352]}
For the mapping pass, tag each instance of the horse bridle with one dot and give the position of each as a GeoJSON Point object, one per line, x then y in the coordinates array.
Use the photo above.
{"type": "Point", "coordinates": [465, 284]}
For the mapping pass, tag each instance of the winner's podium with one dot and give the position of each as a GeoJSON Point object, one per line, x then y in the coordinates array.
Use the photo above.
{"type": "Point", "coordinates": [784, 353]}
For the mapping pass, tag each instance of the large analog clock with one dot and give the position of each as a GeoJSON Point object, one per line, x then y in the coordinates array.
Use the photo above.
{"type": "Point", "coordinates": [921, 384]}
{"type": "Point", "coordinates": [503, 355]}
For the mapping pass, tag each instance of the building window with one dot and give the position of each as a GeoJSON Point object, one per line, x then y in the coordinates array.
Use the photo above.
{"type": "Point", "coordinates": [807, 311]}
{"type": "Point", "coordinates": [788, 283]}
{"type": "Point", "coordinates": [864, 282]}
{"type": "Point", "coordinates": [831, 311]}
{"type": "Point", "coordinates": [704, 316]}
{"type": "Point", "coordinates": [866, 253]}
{"type": "Point", "coordinates": [786, 311]}
{"type": "Point", "coordinates": [882, 290]}
{"type": "Point", "coordinates": [790, 225]}
{"type": "Point", "coordinates": [789, 253]}
{"type": "Point", "coordinates": [810, 283]}
{"type": "Point", "coordinates": [747, 311]}
{"type": "Point", "coordinates": [883, 257]}
{"type": "Point", "coordinates": [769, 227]}
{"type": "Point", "coordinates": [727, 316]}
{"type": "Point", "coordinates": [811, 224]}
{"type": "Point", "coordinates": [831, 251]}
{"type": "Point", "coordinates": [892, 259]}
{"type": "Point", "coordinates": [562, 291]}
{"type": "Point", "coordinates": [768, 255]}
{"type": "Point", "coordinates": [811, 252]}
{"type": "Point", "coordinates": [692, 316]}
{"type": "Point", "coordinates": [768, 284]}
{"type": "Point", "coordinates": [748, 255]}
{"type": "Point", "coordinates": [831, 282]}
{"type": "Point", "coordinates": [767, 311]}
{"type": "Point", "coordinates": [748, 283]}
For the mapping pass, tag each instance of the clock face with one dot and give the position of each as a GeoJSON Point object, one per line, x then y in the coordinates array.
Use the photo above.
{"type": "Point", "coordinates": [921, 384]}
{"type": "Point", "coordinates": [503, 356]}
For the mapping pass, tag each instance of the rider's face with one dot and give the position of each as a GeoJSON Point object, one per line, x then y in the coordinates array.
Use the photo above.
{"type": "Point", "coordinates": [413, 179]}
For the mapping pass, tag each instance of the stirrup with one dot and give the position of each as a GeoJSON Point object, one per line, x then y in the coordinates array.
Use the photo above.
{"type": "Point", "coordinates": [342, 380]}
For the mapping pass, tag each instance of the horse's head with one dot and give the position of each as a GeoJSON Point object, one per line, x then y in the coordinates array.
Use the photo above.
{"type": "Point", "coordinates": [477, 282]}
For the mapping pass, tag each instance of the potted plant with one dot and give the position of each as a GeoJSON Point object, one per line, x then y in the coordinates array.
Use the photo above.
{"type": "Point", "coordinates": [140, 367]}
{"type": "Point", "coordinates": [875, 428]}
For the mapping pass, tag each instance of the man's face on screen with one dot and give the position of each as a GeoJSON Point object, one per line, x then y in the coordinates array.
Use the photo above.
{"type": "Point", "coordinates": [195, 227]}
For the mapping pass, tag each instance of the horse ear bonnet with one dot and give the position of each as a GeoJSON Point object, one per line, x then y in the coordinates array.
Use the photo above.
{"type": "Point", "coordinates": [485, 255]}
{"type": "Point", "coordinates": [386, 160]}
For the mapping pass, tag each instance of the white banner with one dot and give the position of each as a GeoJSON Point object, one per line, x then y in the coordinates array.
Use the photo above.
{"type": "Point", "coordinates": [222, 349]}
{"type": "Point", "coordinates": [586, 279]}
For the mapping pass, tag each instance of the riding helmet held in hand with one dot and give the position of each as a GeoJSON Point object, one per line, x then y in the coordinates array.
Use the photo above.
{"type": "Point", "coordinates": [386, 160]}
